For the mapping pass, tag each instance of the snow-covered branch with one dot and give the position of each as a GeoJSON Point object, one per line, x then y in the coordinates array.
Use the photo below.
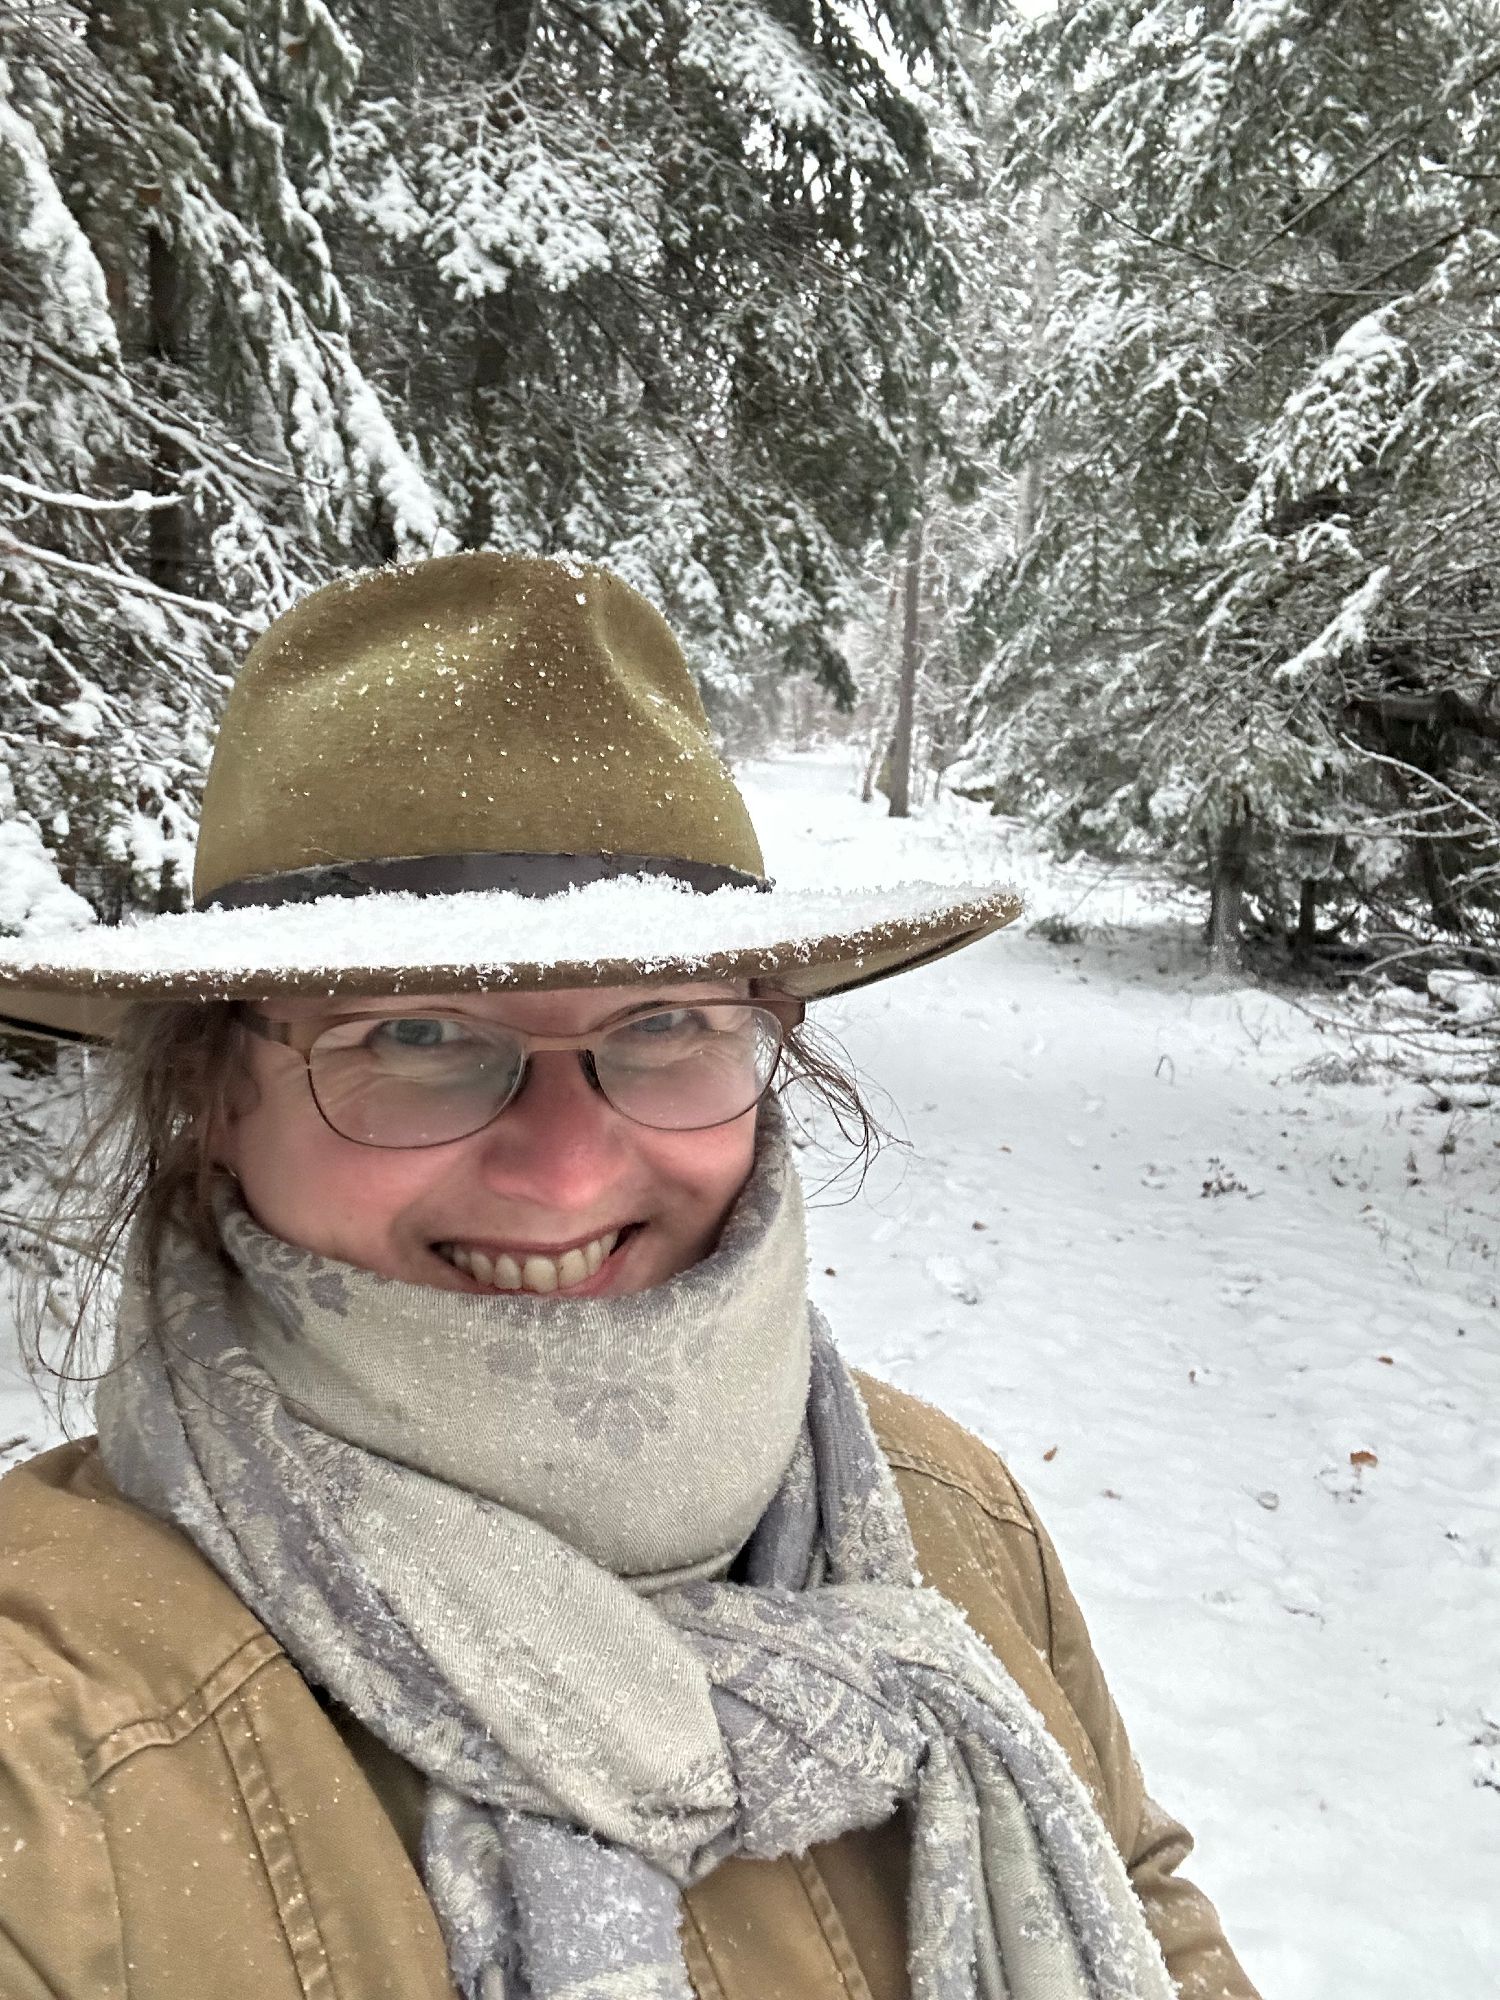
{"type": "Point", "coordinates": [123, 581]}
{"type": "Point", "coordinates": [86, 503]}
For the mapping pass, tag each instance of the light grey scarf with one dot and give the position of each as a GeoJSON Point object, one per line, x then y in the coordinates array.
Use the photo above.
{"type": "Point", "coordinates": [594, 1744]}
{"type": "Point", "coordinates": [648, 1433]}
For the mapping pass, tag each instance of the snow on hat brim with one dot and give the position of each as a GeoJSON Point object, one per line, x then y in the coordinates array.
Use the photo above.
{"type": "Point", "coordinates": [478, 772]}
{"type": "Point", "coordinates": [620, 932]}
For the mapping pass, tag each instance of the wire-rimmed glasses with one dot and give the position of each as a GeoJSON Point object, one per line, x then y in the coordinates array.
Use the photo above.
{"type": "Point", "coordinates": [428, 1075]}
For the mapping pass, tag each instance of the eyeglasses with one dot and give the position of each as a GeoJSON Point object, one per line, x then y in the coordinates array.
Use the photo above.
{"type": "Point", "coordinates": [424, 1079]}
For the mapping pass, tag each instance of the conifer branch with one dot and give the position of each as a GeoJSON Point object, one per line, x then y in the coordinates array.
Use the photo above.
{"type": "Point", "coordinates": [86, 503]}
{"type": "Point", "coordinates": [1382, 153]}
{"type": "Point", "coordinates": [120, 580]}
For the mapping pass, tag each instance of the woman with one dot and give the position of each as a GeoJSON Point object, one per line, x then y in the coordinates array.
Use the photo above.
{"type": "Point", "coordinates": [488, 1578]}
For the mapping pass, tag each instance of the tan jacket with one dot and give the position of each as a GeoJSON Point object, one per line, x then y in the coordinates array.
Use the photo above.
{"type": "Point", "coordinates": [180, 1819]}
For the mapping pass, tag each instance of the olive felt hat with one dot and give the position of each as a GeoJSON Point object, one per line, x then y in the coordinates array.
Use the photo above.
{"type": "Point", "coordinates": [477, 772]}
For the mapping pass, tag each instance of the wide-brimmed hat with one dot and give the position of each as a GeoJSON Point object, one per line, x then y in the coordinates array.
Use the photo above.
{"type": "Point", "coordinates": [479, 772]}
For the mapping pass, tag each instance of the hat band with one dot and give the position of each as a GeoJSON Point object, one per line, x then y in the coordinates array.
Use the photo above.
{"type": "Point", "coordinates": [453, 874]}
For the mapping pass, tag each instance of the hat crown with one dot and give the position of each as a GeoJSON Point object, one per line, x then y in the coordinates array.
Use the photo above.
{"type": "Point", "coordinates": [508, 724]}
{"type": "Point", "coordinates": [470, 704]}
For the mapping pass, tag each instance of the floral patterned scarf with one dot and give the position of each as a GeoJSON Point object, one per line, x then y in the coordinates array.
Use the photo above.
{"type": "Point", "coordinates": [602, 1716]}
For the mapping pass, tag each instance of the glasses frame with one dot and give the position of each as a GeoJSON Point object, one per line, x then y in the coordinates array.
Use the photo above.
{"type": "Point", "coordinates": [300, 1039]}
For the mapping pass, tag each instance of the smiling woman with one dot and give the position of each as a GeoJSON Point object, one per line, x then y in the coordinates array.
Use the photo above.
{"type": "Point", "coordinates": [587, 1143]}
{"type": "Point", "coordinates": [488, 1578]}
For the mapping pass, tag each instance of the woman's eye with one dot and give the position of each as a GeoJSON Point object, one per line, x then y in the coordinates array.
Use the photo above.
{"type": "Point", "coordinates": [668, 1024]}
{"type": "Point", "coordinates": [414, 1031]}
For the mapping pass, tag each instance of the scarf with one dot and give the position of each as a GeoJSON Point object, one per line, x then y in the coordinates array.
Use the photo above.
{"type": "Point", "coordinates": [647, 1432]}
{"type": "Point", "coordinates": [595, 1741]}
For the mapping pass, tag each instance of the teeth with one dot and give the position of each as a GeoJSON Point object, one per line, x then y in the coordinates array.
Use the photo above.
{"type": "Point", "coordinates": [572, 1268]}
{"type": "Point", "coordinates": [537, 1274]}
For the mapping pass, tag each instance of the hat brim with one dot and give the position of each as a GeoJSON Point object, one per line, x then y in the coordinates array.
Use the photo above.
{"type": "Point", "coordinates": [613, 933]}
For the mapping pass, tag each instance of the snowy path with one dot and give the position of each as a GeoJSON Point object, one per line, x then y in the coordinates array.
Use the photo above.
{"type": "Point", "coordinates": [1178, 1288]}
{"type": "Point", "coordinates": [1305, 1648]}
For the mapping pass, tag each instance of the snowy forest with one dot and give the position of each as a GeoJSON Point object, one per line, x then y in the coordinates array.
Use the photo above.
{"type": "Point", "coordinates": [1066, 436]}
{"type": "Point", "coordinates": [1105, 397]}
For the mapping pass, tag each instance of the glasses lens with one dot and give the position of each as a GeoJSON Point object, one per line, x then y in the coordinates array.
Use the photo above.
{"type": "Point", "coordinates": [412, 1079]}
{"type": "Point", "coordinates": [684, 1068]}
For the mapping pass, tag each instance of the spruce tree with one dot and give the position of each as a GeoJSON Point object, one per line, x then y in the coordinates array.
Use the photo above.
{"type": "Point", "coordinates": [661, 265]}
{"type": "Point", "coordinates": [290, 285]}
{"type": "Point", "coordinates": [1249, 624]}
{"type": "Point", "coordinates": [193, 440]}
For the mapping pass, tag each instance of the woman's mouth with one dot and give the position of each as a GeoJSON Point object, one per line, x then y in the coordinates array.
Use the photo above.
{"type": "Point", "coordinates": [534, 1270]}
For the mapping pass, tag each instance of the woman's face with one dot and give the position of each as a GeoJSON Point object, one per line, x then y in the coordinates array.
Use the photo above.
{"type": "Point", "coordinates": [559, 1170]}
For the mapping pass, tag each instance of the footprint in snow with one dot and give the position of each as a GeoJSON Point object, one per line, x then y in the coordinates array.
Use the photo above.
{"type": "Point", "coordinates": [955, 1279]}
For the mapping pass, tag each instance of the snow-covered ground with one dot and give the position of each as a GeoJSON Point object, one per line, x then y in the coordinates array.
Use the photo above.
{"type": "Point", "coordinates": [1236, 1329]}
{"type": "Point", "coordinates": [1181, 1289]}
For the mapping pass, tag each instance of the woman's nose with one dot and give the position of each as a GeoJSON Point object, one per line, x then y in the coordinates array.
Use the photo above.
{"type": "Point", "coordinates": [559, 1143]}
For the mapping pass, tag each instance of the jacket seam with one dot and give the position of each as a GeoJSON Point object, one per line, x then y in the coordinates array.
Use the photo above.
{"type": "Point", "coordinates": [904, 1460]}
{"type": "Point", "coordinates": [1044, 1565]}
{"type": "Point", "coordinates": [698, 1957]}
{"type": "Point", "coordinates": [831, 1924]}
{"type": "Point", "coordinates": [278, 1853]}
{"type": "Point", "coordinates": [149, 1732]}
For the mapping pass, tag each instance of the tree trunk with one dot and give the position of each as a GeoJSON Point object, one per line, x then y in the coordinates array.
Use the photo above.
{"type": "Point", "coordinates": [1231, 859]}
{"type": "Point", "coordinates": [1447, 911]}
{"type": "Point", "coordinates": [911, 652]}
{"type": "Point", "coordinates": [1417, 733]}
{"type": "Point", "coordinates": [168, 553]}
{"type": "Point", "coordinates": [1043, 290]}
{"type": "Point", "coordinates": [1305, 941]}
{"type": "Point", "coordinates": [872, 766]}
